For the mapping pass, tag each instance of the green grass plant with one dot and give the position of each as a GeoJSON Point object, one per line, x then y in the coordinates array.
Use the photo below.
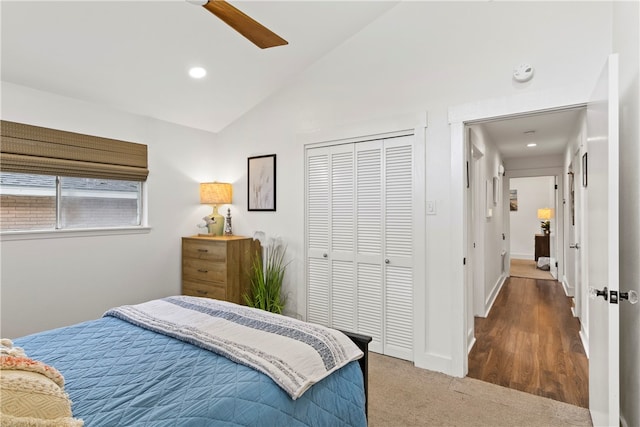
{"type": "Point", "coordinates": [266, 279]}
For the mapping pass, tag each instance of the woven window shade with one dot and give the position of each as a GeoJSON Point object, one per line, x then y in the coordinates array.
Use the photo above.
{"type": "Point", "coordinates": [38, 150]}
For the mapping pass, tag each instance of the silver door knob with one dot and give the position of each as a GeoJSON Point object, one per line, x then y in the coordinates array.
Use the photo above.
{"type": "Point", "coordinates": [576, 246]}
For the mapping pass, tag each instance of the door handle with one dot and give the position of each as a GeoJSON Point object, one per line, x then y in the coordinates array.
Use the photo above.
{"type": "Point", "coordinates": [631, 297]}
{"type": "Point", "coordinates": [576, 246]}
{"type": "Point", "coordinates": [595, 293]}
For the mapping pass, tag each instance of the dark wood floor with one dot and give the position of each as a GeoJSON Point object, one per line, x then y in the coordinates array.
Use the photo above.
{"type": "Point", "coordinates": [530, 342]}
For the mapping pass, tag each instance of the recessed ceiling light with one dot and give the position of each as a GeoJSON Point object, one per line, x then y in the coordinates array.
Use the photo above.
{"type": "Point", "coordinates": [197, 72]}
{"type": "Point", "coordinates": [529, 135]}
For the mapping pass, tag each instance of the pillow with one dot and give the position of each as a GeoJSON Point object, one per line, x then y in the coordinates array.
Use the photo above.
{"type": "Point", "coordinates": [31, 393]}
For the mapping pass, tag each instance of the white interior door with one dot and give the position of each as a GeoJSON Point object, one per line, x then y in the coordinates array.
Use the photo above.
{"type": "Point", "coordinates": [602, 227]}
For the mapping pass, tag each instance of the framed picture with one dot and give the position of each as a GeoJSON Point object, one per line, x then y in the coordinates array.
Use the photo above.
{"type": "Point", "coordinates": [513, 200]}
{"type": "Point", "coordinates": [572, 197]}
{"type": "Point", "coordinates": [496, 190]}
{"type": "Point", "coordinates": [261, 183]}
{"type": "Point", "coordinates": [584, 169]}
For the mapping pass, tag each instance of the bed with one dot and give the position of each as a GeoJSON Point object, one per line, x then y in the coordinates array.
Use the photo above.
{"type": "Point", "coordinates": [134, 367]}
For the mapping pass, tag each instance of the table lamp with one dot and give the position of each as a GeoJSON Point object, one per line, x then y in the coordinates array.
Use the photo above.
{"type": "Point", "coordinates": [215, 193]}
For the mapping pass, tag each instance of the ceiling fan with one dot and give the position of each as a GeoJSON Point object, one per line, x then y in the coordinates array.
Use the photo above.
{"type": "Point", "coordinates": [255, 32]}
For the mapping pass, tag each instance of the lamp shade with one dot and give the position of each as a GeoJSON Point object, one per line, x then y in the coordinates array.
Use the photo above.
{"type": "Point", "coordinates": [216, 193]}
{"type": "Point", "coordinates": [545, 213]}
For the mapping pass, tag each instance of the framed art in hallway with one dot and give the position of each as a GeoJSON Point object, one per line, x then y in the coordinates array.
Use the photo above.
{"type": "Point", "coordinates": [513, 200]}
{"type": "Point", "coordinates": [261, 183]}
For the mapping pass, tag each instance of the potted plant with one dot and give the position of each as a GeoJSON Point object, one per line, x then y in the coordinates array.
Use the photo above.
{"type": "Point", "coordinates": [266, 276]}
{"type": "Point", "coordinates": [546, 226]}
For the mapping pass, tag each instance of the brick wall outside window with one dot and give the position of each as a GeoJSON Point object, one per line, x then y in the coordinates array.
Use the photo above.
{"type": "Point", "coordinates": [39, 212]}
{"type": "Point", "coordinates": [27, 212]}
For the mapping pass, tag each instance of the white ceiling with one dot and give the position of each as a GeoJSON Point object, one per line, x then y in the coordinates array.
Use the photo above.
{"type": "Point", "coordinates": [134, 55]}
{"type": "Point", "coordinates": [551, 132]}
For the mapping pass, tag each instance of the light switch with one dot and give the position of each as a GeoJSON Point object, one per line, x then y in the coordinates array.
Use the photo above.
{"type": "Point", "coordinates": [431, 207]}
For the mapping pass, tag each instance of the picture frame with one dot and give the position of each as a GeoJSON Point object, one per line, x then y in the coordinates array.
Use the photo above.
{"type": "Point", "coordinates": [572, 197]}
{"type": "Point", "coordinates": [513, 200]}
{"type": "Point", "coordinates": [496, 190]}
{"type": "Point", "coordinates": [584, 170]}
{"type": "Point", "coordinates": [261, 183]}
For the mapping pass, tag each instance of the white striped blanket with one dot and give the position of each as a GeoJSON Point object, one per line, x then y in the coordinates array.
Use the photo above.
{"type": "Point", "coordinates": [293, 353]}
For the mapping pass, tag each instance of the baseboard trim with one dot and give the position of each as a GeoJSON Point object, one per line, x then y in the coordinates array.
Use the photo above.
{"type": "Point", "coordinates": [494, 294]}
{"type": "Point", "coordinates": [433, 362]}
{"type": "Point", "coordinates": [528, 256]}
{"type": "Point", "coordinates": [471, 342]}
{"type": "Point", "coordinates": [585, 340]}
{"type": "Point", "coordinates": [569, 290]}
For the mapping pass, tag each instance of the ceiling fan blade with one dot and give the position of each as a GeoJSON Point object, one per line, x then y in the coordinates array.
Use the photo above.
{"type": "Point", "coordinates": [258, 34]}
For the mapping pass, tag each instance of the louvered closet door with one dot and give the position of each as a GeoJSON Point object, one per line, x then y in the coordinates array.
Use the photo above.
{"type": "Point", "coordinates": [330, 228]}
{"type": "Point", "coordinates": [398, 247]}
{"type": "Point", "coordinates": [360, 239]}
{"type": "Point", "coordinates": [341, 254]}
{"type": "Point", "coordinates": [318, 215]}
{"type": "Point", "coordinates": [369, 243]}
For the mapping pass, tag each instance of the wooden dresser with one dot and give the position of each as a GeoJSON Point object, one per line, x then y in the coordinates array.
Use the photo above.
{"type": "Point", "coordinates": [217, 267]}
{"type": "Point", "coordinates": [542, 246]}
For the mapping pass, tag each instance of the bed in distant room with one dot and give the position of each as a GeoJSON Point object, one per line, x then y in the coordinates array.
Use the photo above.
{"type": "Point", "coordinates": [185, 361]}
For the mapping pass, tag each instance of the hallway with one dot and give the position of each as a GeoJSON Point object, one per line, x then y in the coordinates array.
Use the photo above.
{"type": "Point", "coordinates": [530, 342]}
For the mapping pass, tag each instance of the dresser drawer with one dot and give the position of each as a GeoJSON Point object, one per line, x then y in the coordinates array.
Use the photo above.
{"type": "Point", "coordinates": [210, 251]}
{"type": "Point", "coordinates": [203, 270]}
{"type": "Point", "coordinates": [208, 290]}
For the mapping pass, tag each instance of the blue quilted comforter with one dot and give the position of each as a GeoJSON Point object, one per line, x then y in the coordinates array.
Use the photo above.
{"type": "Point", "coordinates": [118, 374]}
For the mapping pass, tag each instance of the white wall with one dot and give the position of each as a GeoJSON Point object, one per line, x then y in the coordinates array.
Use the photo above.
{"type": "Point", "coordinates": [533, 193]}
{"type": "Point", "coordinates": [420, 56]}
{"type": "Point", "coordinates": [626, 41]}
{"type": "Point", "coordinates": [48, 283]}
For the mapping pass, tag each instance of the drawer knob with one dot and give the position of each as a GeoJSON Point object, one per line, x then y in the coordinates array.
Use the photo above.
{"type": "Point", "coordinates": [202, 270]}
{"type": "Point", "coordinates": [203, 250]}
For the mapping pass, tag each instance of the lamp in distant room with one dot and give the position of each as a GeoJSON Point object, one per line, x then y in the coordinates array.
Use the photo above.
{"type": "Point", "coordinates": [545, 214]}
{"type": "Point", "coordinates": [214, 194]}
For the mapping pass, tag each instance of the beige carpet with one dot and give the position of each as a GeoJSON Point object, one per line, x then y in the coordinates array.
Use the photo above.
{"type": "Point", "coordinates": [527, 268]}
{"type": "Point", "coordinates": [402, 395]}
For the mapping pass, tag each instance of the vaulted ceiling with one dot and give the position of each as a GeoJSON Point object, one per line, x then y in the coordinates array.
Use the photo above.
{"type": "Point", "coordinates": [135, 55]}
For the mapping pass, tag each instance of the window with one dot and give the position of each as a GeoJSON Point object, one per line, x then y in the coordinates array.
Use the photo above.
{"type": "Point", "coordinates": [52, 179]}
{"type": "Point", "coordinates": [44, 202]}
